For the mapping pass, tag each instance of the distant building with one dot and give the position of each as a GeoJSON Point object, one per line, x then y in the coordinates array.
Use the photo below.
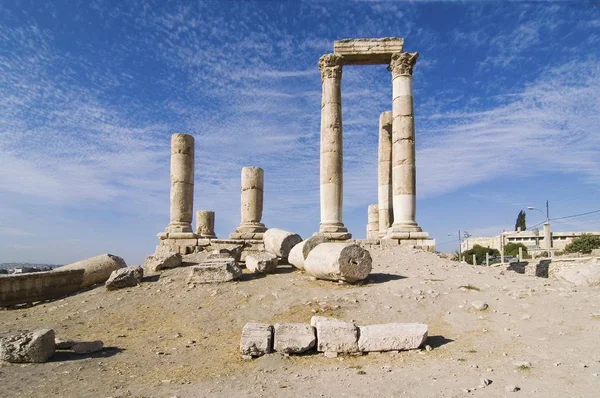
{"type": "Point", "coordinates": [533, 240]}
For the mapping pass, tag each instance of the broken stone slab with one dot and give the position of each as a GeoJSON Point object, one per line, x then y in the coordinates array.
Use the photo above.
{"type": "Point", "coordinates": [61, 344]}
{"type": "Point", "coordinates": [335, 335]}
{"type": "Point", "coordinates": [234, 251]}
{"type": "Point", "coordinates": [293, 338]}
{"type": "Point", "coordinates": [125, 277]}
{"type": "Point", "coordinates": [193, 259]}
{"type": "Point", "coordinates": [257, 339]}
{"type": "Point", "coordinates": [161, 261]}
{"type": "Point", "coordinates": [261, 263]}
{"type": "Point", "coordinates": [300, 252]}
{"type": "Point", "coordinates": [96, 269]}
{"type": "Point", "coordinates": [392, 337]}
{"type": "Point", "coordinates": [280, 242]}
{"type": "Point", "coordinates": [87, 347]}
{"type": "Point", "coordinates": [37, 347]}
{"type": "Point", "coordinates": [214, 272]}
{"type": "Point", "coordinates": [346, 262]}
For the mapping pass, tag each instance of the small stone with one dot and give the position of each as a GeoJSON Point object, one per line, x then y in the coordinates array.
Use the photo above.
{"type": "Point", "coordinates": [485, 381]}
{"type": "Point", "coordinates": [511, 388]}
{"type": "Point", "coordinates": [479, 305]}
{"type": "Point", "coordinates": [215, 272]}
{"type": "Point", "coordinates": [428, 347]}
{"type": "Point", "coordinates": [87, 347]}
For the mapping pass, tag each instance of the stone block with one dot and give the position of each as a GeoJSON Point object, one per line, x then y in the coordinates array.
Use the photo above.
{"type": "Point", "coordinates": [368, 51]}
{"type": "Point", "coordinates": [261, 263]}
{"type": "Point", "coordinates": [334, 335]}
{"type": "Point", "coordinates": [87, 347]}
{"type": "Point", "coordinates": [392, 337]}
{"type": "Point", "coordinates": [257, 339]}
{"type": "Point", "coordinates": [294, 338]}
{"type": "Point", "coordinates": [214, 272]}
{"type": "Point", "coordinates": [161, 261]}
{"type": "Point", "coordinates": [35, 346]}
{"type": "Point", "coordinates": [125, 277]}
{"type": "Point", "coordinates": [339, 262]}
{"type": "Point", "coordinates": [38, 286]}
{"type": "Point", "coordinates": [280, 242]}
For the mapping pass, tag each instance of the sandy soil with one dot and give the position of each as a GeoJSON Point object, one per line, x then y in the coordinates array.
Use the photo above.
{"type": "Point", "coordinates": [164, 339]}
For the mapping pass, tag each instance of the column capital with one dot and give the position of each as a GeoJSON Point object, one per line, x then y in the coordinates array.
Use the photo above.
{"type": "Point", "coordinates": [403, 63]}
{"type": "Point", "coordinates": [331, 66]}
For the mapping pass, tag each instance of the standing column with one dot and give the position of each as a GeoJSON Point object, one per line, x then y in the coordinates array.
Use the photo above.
{"type": "Point", "coordinates": [182, 185]}
{"type": "Point", "coordinates": [386, 215]}
{"type": "Point", "coordinates": [331, 149]}
{"type": "Point", "coordinates": [403, 149]}
{"type": "Point", "coordinates": [373, 222]}
{"type": "Point", "coordinates": [251, 205]}
{"type": "Point", "coordinates": [205, 224]}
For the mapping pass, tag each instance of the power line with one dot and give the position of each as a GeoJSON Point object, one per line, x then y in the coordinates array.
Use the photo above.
{"type": "Point", "coordinates": [576, 215]}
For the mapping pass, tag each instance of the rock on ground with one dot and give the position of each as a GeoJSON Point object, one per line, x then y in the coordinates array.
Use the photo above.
{"type": "Point", "coordinates": [334, 335]}
{"type": "Point", "coordinates": [215, 271]}
{"type": "Point", "coordinates": [580, 274]}
{"type": "Point", "coordinates": [87, 347]}
{"type": "Point", "coordinates": [339, 262]}
{"type": "Point", "coordinates": [63, 344]}
{"type": "Point", "coordinates": [479, 305]}
{"type": "Point", "coordinates": [161, 261]}
{"type": "Point", "coordinates": [261, 263]}
{"type": "Point", "coordinates": [257, 339]}
{"type": "Point", "coordinates": [35, 346]}
{"type": "Point", "coordinates": [125, 277]}
{"type": "Point", "coordinates": [96, 269]}
{"type": "Point", "coordinates": [392, 337]}
{"type": "Point", "coordinates": [280, 242]}
{"type": "Point", "coordinates": [294, 338]}
{"type": "Point", "coordinates": [300, 252]}
{"type": "Point", "coordinates": [189, 260]}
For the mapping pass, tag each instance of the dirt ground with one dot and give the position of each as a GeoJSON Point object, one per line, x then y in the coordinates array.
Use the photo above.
{"type": "Point", "coordinates": [163, 339]}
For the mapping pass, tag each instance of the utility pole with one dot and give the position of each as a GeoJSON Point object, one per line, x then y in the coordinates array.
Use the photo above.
{"type": "Point", "coordinates": [548, 232]}
{"type": "Point", "coordinates": [459, 247]}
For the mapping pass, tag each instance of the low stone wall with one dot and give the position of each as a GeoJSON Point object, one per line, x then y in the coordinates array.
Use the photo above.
{"type": "Point", "coordinates": [38, 286]}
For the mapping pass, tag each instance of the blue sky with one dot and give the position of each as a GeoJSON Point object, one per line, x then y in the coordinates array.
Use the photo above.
{"type": "Point", "coordinates": [507, 110]}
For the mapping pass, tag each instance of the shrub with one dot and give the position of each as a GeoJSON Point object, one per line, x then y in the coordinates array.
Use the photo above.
{"type": "Point", "coordinates": [479, 252]}
{"type": "Point", "coordinates": [512, 249]}
{"type": "Point", "coordinates": [584, 243]}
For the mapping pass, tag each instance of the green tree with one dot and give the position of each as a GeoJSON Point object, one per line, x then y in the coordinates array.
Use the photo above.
{"type": "Point", "coordinates": [511, 249]}
{"type": "Point", "coordinates": [521, 223]}
{"type": "Point", "coordinates": [479, 252]}
{"type": "Point", "coordinates": [584, 243]}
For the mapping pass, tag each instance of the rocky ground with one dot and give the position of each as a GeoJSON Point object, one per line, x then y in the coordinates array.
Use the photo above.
{"type": "Point", "coordinates": [162, 339]}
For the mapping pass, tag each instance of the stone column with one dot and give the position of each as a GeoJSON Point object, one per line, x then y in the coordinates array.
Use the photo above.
{"type": "Point", "coordinates": [403, 149]}
{"type": "Point", "coordinates": [251, 205]}
{"type": "Point", "coordinates": [386, 214]}
{"type": "Point", "coordinates": [331, 149]}
{"type": "Point", "coordinates": [205, 224]}
{"type": "Point", "coordinates": [182, 186]}
{"type": "Point", "coordinates": [373, 222]}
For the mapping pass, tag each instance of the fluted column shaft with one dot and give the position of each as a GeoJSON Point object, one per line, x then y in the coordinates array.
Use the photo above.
{"type": "Point", "coordinates": [331, 171]}
{"type": "Point", "coordinates": [386, 217]}
{"type": "Point", "coordinates": [182, 184]}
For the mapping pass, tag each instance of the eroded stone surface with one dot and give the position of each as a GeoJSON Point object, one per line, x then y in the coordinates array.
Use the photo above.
{"type": "Point", "coordinates": [293, 338]}
{"type": "Point", "coordinates": [87, 347]}
{"type": "Point", "coordinates": [392, 337]}
{"type": "Point", "coordinates": [339, 262]}
{"type": "Point", "coordinates": [96, 269]}
{"type": "Point", "coordinates": [125, 277]}
{"type": "Point", "coordinates": [280, 242]}
{"type": "Point", "coordinates": [161, 261]}
{"type": "Point", "coordinates": [214, 272]}
{"type": "Point", "coordinates": [257, 339]}
{"type": "Point", "coordinates": [261, 263]}
{"type": "Point", "coordinates": [36, 346]}
{"type": "Point", "coordinates": [334, 335]}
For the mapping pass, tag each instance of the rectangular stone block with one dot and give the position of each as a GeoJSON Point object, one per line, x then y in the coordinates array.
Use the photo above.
{"type": "Point", "coordinates": [214, 272]}
{"type": "Point", "coordinates": [257, 339]}
{"type": "Point", "coordinates": [392, 337]}
{"type": "Point", "coordinates": [334, 335]}
{"type": "Point", "coordinates": [39, 286]}
{"type": "Point", "coordinates": [294, 338]}
{"type": "Point", "coordinates": [368, 51]}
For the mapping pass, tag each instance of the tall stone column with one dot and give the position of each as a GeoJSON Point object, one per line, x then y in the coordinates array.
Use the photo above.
{"type": "Point", "coordinates": [182, 186]}
{"type": "Point", "coordinates": [403, 149]}
{"type": "Point", "coordinates": [251, 205]}
{"type": "Point", "coordinates": [373, 222]}
{"type": "Point", "coordinates": [205, 224]}
{"type": "Point", "coordinates": [332, 149]}
{"type": "Point", "coordinates": [386, 214]}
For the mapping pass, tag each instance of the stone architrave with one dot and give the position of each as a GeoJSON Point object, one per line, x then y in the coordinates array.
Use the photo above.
{"type": "Point", "coordinates": [373, 222]}
{"type": "Point", "coordinates": [251, 205]}
{"type": "Point", "coordinates": [205, 224]}
{"type": "Point", "coordinates": [386, 214]}
{"type": "Point", "coordinates": [331, 170]}
{"type": "Point", "coordinates": [403, 149]}
{"type": "Point", "coordinates": [182, 186]}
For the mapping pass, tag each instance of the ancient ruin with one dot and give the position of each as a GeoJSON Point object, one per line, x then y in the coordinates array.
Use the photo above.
{"type": "Point", "coordinates": [253, 179]}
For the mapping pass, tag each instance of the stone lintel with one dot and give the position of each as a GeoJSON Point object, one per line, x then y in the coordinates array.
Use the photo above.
{"type": "Point", "coordinates": [368, 51]}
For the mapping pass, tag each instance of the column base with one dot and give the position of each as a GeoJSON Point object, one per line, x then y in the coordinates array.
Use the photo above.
{"type": "Point", "coordinates": [249, 230]}
{"type": "Point", "coordinates": [247, 235]}
{"type": "Point", "coordinates": [179, 227]}
{"type": "Point", "coordinates": [334, 231]}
